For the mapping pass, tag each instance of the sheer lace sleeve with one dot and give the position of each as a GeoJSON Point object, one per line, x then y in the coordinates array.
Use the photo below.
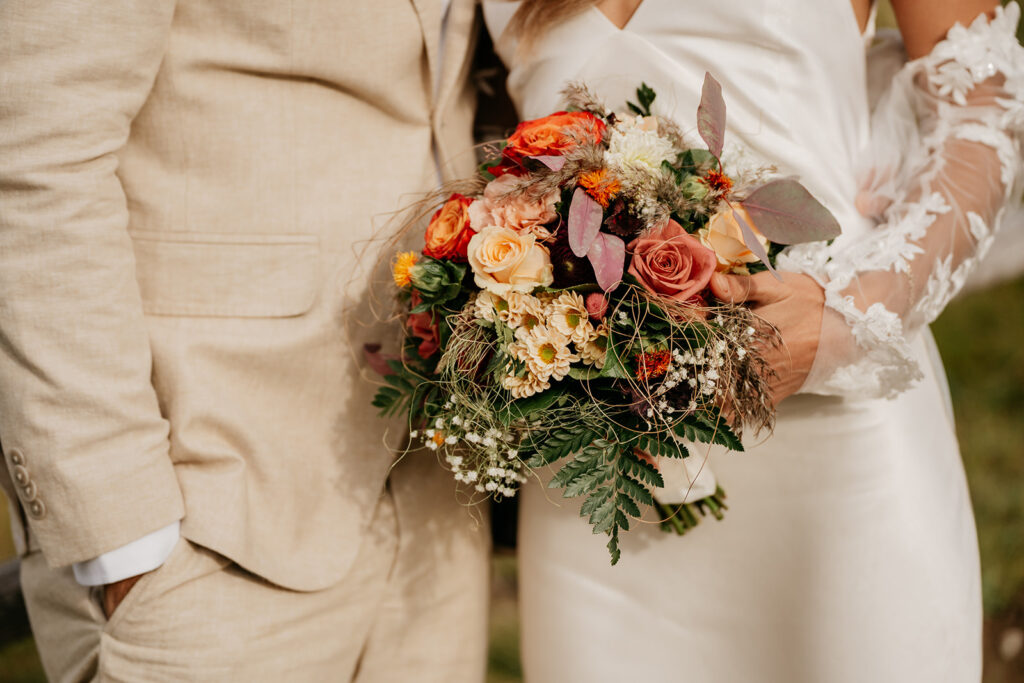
{"type": "Point", "coordinates": [945, 162]}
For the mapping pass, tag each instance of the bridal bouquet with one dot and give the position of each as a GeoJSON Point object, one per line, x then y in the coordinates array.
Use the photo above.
{"type": "Point", "coordinates": [559, 312]}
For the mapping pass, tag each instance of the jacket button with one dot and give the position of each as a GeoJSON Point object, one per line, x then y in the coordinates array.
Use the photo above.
{"type": "Point", "coordinates": [29, 491]}
{"type": "Point", "coordinates": [17, 458]}
{"type": "Point", "coordinates": [21, 477]}
{"type": "Point", "coordinates": [36, 509]}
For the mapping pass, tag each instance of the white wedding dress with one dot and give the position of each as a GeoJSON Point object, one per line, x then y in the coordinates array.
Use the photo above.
{"type": "Point", "coordinates": [848, 553]}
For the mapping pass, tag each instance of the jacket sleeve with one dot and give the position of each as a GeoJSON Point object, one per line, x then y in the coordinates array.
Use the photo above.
{"type": "Point", "coordinates": [945, 162]}
{"type": "Point", "coordinates": [80, 426]}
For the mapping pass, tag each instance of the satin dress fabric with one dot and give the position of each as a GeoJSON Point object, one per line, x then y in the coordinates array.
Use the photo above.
{"type": "Point", "coordinates": [849, 552]}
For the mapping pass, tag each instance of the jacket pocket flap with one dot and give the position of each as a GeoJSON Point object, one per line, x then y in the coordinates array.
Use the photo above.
{"type": "Point", "coordinates": [241, 276]}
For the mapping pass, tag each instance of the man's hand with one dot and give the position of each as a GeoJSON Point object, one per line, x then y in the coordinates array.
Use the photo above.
{"type": "Point", "coordinates": [114, 593]}
{"type": "Point", "coordinates": [795, 307]}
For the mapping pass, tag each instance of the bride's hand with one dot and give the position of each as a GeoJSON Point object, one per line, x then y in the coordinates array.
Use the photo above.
{"type": "Point", "coordinates": [795, 307]}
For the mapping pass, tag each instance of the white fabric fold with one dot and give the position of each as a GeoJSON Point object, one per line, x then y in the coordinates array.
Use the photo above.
{"type": "Point", "coordinates": [132, 559]}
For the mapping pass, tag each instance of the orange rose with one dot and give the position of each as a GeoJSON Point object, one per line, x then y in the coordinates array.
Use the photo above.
{"type": "Point", "coordinates": [449, 231]}
{"type": "Point", "coordinates": [553, 135]}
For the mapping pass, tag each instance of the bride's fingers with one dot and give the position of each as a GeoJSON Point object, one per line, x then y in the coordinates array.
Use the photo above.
{"type": "Point", "coordinates": [728, 288]}
{"type": "Point", "coordinates": [761, 288]}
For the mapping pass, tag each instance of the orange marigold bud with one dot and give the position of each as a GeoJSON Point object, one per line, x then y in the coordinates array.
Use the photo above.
{"type": "Point", "coordinates": [717, 181]}
{"type": "Point", "coordinates": [402, 271]}
{"type": "Point", "coordinates": [601, 185]}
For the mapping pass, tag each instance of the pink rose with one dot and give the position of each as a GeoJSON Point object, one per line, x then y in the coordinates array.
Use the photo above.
{"type": "Point", "coordinates": [671, 263]}
{"type": "Point", "coordinates": [501, 208]}
{"type": "Point", "coordinates": [424, 326]}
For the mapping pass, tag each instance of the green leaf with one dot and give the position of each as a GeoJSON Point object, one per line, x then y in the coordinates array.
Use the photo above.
{"type": "Point", "coordinates": [561, 444]}
{"type": "Point", "coordinates": [613, 547]}
{"type": "Point", "coordinates": [646, 95]}
{"type": "Point", "coordinates": [696, 161]}
{"type": "Point", "coordinates": [613, 365]}
{"type": "Point", "coordinates": [522, 409]}
{"type": "Point", "coordinates": [636, 490]}
{"type": "Point", "coordinates": [604, 517]}
{"type": "Point", "coordinates": [665, 447]}
{"type": "Point", "coordinates": [399, 382]}
{"type": "Point", "coordinates": [588, 482]}
{"type": "Point", "coordinates": [642, 471]}
{"type": "Point", "coordinates": [628, 505]}
{"type": "Point", "coordinates": [584, 373]}
{"type": "Point", "coordinates": [722, 433]}
{"type": "Point", "coordinates": [595, 500]}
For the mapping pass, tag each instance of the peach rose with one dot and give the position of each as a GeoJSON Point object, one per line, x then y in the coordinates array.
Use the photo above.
{"type": "Point", "coordinates": [449, 231]}
{"type": "Point", "coordinates": [671, 263]}
{"type": "Point", "coordinates": [504, 260]}
{"type": "Point", "coordinates": [553, 135]}
{"type": "Point", "coordinates": [518, 211]}
{"type": "Point", "coordinates": [724, 236]}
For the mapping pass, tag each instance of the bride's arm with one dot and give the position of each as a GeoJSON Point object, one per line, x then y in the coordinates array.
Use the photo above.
{"type": "Point", "coordinates": [924, 23]}
{"type": "Point", "coordinates": [958, 112]}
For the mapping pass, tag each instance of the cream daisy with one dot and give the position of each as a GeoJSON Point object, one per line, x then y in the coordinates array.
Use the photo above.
{"type": "Point", "coordinates": [524, 387]}
{"type": "Point", "coordinates": [545, 351]}
{"type": "Point", "coordinates": [595, 349]}
{"type": "Point", "coordinates": [489, 306]}
{"type": "Point", "coordinates": [524, 311]}
{"type": "Point", "coordinates": [568, 315]}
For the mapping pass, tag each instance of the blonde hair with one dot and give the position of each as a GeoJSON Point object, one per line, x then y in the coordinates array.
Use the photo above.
{"type": "Point", "coordinates": [535, 17]}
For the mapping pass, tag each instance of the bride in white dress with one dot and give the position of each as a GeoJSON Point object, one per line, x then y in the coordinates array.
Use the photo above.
{"type": "Point", "coordinates": [848, 554]}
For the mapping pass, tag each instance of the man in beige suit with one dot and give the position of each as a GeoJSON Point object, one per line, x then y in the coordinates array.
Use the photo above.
{"type": "Point", "coordinates": [186, 187]}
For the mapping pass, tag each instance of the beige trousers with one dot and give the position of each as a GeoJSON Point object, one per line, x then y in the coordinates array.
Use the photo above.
{"type": "Point", "coordinates": [412, 609]}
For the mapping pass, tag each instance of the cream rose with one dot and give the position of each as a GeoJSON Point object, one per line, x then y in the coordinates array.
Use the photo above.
{"type": "Point", "coordinates": [504, 260]}
{"type": "Point", "coordinates": [724, 236]}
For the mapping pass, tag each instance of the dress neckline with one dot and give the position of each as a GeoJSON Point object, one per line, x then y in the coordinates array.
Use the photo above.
{"type": "Point", "coordinates": [867, 34]}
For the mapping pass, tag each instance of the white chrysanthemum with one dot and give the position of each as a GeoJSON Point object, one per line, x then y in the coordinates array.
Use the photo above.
{"type": "Point", "coordinates": [638, 150]}
{"type": "Point", "coordinates": [525, 311]}
{"type": "Point", "coordinates": [595, 349]}
{"type": "Point", "coordinates": [568, 315]}
{"type": "Point", "coordinates": [545, 351]}
{"type": "Point", "coordinates": [489, 306]}
{"type": "Point", "coordinates": [524, 387]}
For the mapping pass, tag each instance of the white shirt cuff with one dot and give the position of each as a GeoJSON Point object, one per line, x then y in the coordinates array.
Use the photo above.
{"type": "Point", "coordinates": [138, 557]}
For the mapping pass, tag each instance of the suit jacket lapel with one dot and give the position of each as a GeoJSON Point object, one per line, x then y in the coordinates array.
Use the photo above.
{"type": "Point", "coordinates": [458, 39]}
{"type": "Point", "coordinates": [430, 24]}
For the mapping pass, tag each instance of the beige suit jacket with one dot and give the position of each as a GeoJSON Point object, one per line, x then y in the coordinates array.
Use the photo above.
{"type": "Point", "coordinates": [185, 192]}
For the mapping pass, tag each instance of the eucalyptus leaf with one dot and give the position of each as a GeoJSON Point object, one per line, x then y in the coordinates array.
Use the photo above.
{"type": "Point", "coordinates": [608, 257]}
{"type": "Point", "coordinates": [555, 163]}
{"type": "Point", "coordinates": [711, 115]}
{"type": "Point", "coordinates": [585, 218]}
{"type": "Point", "coordinates": [786, 213]}
{"type": "Point", "coordinates": [754, 245]}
